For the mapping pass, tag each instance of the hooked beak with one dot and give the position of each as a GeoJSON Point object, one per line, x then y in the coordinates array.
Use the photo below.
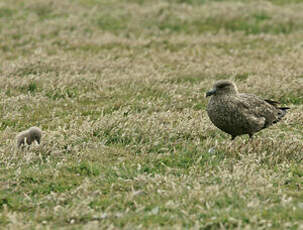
{"type": "Point", "coordinates": [210, 92]}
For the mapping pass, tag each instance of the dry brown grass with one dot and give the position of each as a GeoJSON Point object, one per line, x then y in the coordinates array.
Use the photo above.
{"type": "Point", "coordinates": [118, 90]}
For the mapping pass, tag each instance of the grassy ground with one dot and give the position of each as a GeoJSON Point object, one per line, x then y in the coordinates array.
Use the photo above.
{"type": "Point", "coordinates": [118, 88]}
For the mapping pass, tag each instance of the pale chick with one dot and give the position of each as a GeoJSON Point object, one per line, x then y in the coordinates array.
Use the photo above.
{"type": "Point", "coordinates": [29, 136]}
{"type": "Point", "coordinates": [239, 113]}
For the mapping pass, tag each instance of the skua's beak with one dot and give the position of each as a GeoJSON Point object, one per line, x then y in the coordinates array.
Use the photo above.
{"type": "Point", "coordinates": [210, 92]}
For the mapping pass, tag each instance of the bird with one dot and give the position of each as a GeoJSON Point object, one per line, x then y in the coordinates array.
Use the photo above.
{"type": "Point", "coordinates": [29, 136]}
{"type": "Point", "coordinates": [240, 113]}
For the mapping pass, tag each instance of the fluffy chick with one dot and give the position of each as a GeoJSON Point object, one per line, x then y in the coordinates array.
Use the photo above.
{"type": "Point", "coordinates": [29, 136]}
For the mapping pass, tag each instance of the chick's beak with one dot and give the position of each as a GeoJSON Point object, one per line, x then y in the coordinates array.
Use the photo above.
{"type": "Point", "coordinates": [210, 92]}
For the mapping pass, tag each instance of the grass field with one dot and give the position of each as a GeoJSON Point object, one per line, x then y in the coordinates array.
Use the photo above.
{"type": "Point", "coordinates": [118, 87]}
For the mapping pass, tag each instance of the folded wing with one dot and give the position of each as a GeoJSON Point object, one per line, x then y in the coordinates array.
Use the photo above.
{"type": "Point", "coordinates": [259, 110]}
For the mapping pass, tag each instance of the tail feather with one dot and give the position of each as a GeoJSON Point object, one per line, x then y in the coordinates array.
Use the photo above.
{"type": "Point", "coordinates": [284, 108]}
{"type": "Point", "coordinates": [282, 112]}
{"type": "Point", "coordinates": [272, 102]}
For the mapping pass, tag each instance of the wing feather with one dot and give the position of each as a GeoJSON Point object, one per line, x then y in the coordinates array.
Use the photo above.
{"type": "Point", "coordinates": [261, 108]}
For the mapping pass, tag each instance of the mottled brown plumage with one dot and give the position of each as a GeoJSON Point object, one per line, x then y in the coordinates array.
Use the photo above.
{"type": "Point", "coordinates": [238, 113]}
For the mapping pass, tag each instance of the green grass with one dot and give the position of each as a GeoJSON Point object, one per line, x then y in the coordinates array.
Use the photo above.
{"type": "Point", "coordinates": [118, 88]}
